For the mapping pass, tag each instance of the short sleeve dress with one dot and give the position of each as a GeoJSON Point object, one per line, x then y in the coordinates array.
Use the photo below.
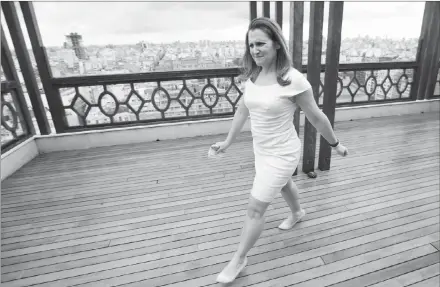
{"type": "Point", "coordinates": [276, 145]}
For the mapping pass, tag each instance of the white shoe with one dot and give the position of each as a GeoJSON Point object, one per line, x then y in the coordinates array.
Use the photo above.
{"type": "Point", "coordinates": [291, 220]}
{"type": "Point", "coordinates": [224, 278]}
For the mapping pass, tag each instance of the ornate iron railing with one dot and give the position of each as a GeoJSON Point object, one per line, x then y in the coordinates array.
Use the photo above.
{"type": "Point", "coordinates": [99, 101]}
{"type": "Point", "coordinates": [14, 127]}
{"type": "Point", "coordinates": [372, 83]}
{"type": "Point", "coordinates": [111, 100]}
{"type": "Point", "coordinates": [16, 120]}
{"type": "Point", "coordinates": [437, 85]}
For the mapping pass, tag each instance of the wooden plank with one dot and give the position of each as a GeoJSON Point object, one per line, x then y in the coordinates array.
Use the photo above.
{"type": "Point", "coordinates": [336, 185]}
{"type": "Point", "coordinates": [249, 176]}
{"type": "Point", "coordinates": [337, 267]}
{"type": "Point", "coordinates": [153, 188]}
{"type": "Point", "coordinates": [292, 251]}
{"type": "Point", "coordinates": [371, 267]}
{"type": "Point", "coordinates": [295, 254]}
{"type": "Point", "coordinates": [347, 253]}
{"type": "Point", "coordinates": [133, 170]}
{"type": "Point", "coordinates": [133, 234]}
{"type": "Point", "coordinates": [279, 13]}
{"type": "Point", "coordinates": [434, 59]}
{"type": "Point", "coordinates": [313, 76]}
{"type": "Point", "coordinates": [106, 204]}
{"type": "Point", "coordinates": [331, 77]}
{"type": "Point", "coordinates": [159, 180]}
{"type": "Point", "coordinates": [116, 153]}
{"type": "Point", "coordinates": [378, 124]}
{"type": "Point", "coordinates": [91, 185]}
{"type": "Point", "coordinates": [169, 203]}
{"type": "Point", "coordinates": [411, 277]}
{"type": "Point", "coordinates": [164, 187]}
{"type": "Point", "coordinates": [161, 228]}
{"type": "Point", "coordinates": [8, 86]}
{"type": "Point", "coordinates": [296, 45]}
{"type": "Point", "coordinates": [387, 213]}
{"type": "Point", "coordinates": [266, 9]}
{"type": "Point", "coordinates": [252, 10]}
{"type": "Point", "coordinates": [189, 190]}
{"type": "Point", "coordinates": [407, 237]}
{"type": "Point", "coordinates": [379, 150]}
{"type": "Point", "coordinates": [362, 209]}
{"type": "Point", "coordinates": [434, 81]}
{"type": "Point", "coordinates": [37, 240]}
{"type": "Point", "coordinates": [66, 222]}
{"type": "Point", "coordinates": [85, 240]}
{"type": "Point", "coordinates": [392, 271]}
{"type": "Point", "coordinates": [198, 153]}
{"type": "Point", "coordinates": [287, 272]}
{"type": "Point", "coordinates": [247, 279]}
{"type": "Point", "coordinates": [428, 49]}
{"type": "Point", "coordinates": [11, 75]}
{"type": "Point", "coordinates": [143, 188]}
{"type": "Point", "coordinates": [244, 279]}
{"type": "Point", "coordinates": [436, 245]}
{"type": "Point", "coordinates": [24, 61]}
{"type": "Point", "coordinates": [52, 94]}
{"type": "Point", "coordinates": [433, 281]}
{"type": "Point", "coordinates": [420, 45]}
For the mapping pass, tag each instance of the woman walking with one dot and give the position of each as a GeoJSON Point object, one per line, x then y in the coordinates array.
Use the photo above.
{"type": "Point", "coordinates": [273, 91]}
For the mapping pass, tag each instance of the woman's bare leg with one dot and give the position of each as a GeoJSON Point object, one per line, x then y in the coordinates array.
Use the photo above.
{"type": "Point", "coordinates": [253, 227]}
{"type": "Point", "coordinates": [290, 194]}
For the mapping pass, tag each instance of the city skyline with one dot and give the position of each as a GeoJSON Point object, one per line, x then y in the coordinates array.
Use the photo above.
{"type": "Point", "coordinates": [143, 53]}
{"type": "Point", "coordinates": [166, 22]}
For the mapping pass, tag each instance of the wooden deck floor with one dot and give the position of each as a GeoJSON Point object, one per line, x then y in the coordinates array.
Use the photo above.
{"type": "Point", "coordinates": [163, 214]}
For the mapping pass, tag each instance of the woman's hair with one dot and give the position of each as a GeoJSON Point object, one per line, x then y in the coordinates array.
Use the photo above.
{"type": "Point", "coordinates": [283, 59]}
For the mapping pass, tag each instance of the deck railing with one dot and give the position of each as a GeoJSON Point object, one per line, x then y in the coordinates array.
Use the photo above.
{"type": "Point", "coordinates": [106, 101]}
{"type": "Point", "coordinates": [15, 127]}
{"type": "Point", "coordinates": [16, 119]}
{"type": "Point", "coordinates": [437, 86]}
{"type": "Point", "coordinates": [112, 100]}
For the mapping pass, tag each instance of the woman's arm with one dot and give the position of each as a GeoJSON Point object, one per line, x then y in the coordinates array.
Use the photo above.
{"type": "Point", "coordinates": [238, 122]}
{"type": "Point", "coordinates": [315, 116]}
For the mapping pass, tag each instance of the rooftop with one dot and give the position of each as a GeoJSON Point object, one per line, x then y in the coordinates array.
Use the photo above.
{"type": "Point", "coordinates": [163, 214]}
{"type": "Point", "coordinates": [106, 179]}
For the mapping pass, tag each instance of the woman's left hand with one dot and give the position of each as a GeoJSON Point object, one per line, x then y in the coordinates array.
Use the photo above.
{"type": "Point", "coordinates": [341, 150]}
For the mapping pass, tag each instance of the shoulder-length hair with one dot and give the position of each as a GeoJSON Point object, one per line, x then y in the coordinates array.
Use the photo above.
{"type": "Point", "coordinates": [283, 61]}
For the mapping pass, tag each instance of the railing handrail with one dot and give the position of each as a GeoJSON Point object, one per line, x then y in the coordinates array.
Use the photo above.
{"type": "Point", "coordinates": [113, 79]}
{"type": "Point", "coordinates": [7, 86]}
{"type": "Point", "coordinates": [375, 66]}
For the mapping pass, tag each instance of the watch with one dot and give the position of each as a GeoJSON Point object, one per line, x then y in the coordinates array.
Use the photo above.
{"type": "Point", "coordinates": [334, 145]}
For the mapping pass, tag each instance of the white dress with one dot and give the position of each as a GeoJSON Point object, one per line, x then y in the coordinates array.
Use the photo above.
{"type": "Point", "coordinates": [277, 148]}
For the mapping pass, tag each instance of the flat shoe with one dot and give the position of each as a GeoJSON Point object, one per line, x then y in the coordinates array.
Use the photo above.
{"type": "Point", "coordinates": [290, 222]}
{"type": "Point", "coordinates": [223, 278]}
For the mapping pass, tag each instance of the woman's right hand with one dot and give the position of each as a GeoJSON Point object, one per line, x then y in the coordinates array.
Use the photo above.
{"type": "Point", "coordinates": [341, 150]}
{"type": "Point", "coordinates": [220, 147]}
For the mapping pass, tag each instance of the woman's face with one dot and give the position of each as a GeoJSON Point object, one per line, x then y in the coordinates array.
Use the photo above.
{"type": "Point", "coordinates": [263, 50]}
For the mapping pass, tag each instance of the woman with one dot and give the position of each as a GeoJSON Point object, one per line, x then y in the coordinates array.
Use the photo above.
{"type": "Point", "coordinates": [273, 91]}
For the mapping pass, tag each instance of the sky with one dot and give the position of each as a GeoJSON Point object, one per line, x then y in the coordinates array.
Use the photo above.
{"type": "Point", "coordinates": [117, 23]}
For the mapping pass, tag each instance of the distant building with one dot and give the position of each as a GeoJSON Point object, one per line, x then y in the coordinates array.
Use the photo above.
{"type": "Point", "coordinates": [74, 41]}
{"type": "Point", "coordinates": [186, 64]}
